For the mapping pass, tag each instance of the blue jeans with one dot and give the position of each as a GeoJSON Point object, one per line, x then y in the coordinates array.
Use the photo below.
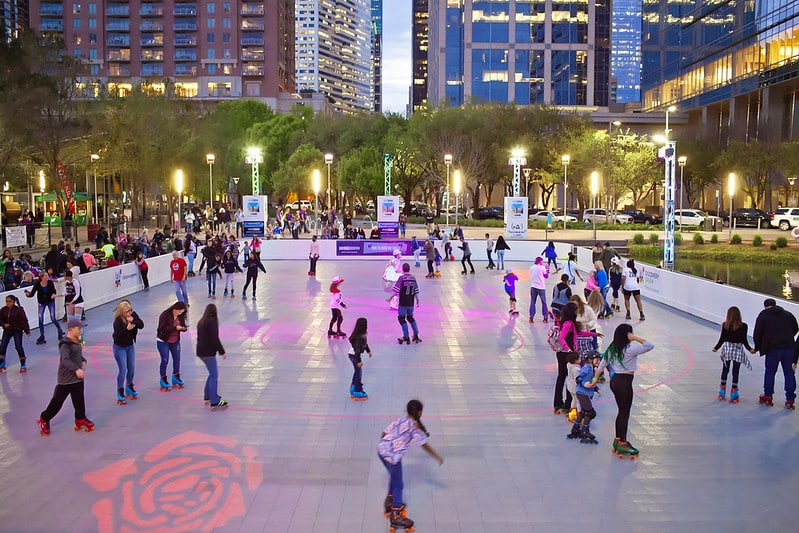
{"type": "Point", "coordinates": [501, 259]}
{"type": "Point", "coordinates": [190, 256]}
{"type": "Point", "coordinates": [180, 291]}
{"type": "Point", "coordinates": [608, 311]}
{"type": "Point", "coordinates": [356, 374]}
{"type": "Point", "coordinates": [210, 393]}
{"type": "Point", "coordinates": [211, 277]}
{"type": "Point", "coordinates": [782, 357]}
{"type": "Point", "coordinates": [538, 293]}
{"type": "Point", "coordinates": [395, 484]}
{"type": "Point", "coordinates": [406, 311]}
{"type": "Point", "coordinates": [125, 356]}
{"type": "Point", "coordinates": [7, 336]}
{"type": "Point", "coordinates": [490, 259]}
{"type": "Point", "coordinates": [50, 306]}
{"type": "Point", "coordinates": [164, 349]}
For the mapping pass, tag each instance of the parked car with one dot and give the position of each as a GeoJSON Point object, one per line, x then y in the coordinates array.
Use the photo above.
{"type": "Point", "coordinates": [642, 217]}
{"type": "Point", "coordinates": [556, 217]}
{"type": "Point", "coordinates": [691, 217]}
{"type": "Point", "coordinates": [785, 218]}
{"type": "Point", "coordinates": [489, 212]}
{"type": "Point", "coordinates": [747, 216]}
{"type": "Point", "coordinates": [419, 209]}
{"type": "Point", "coordinates": [602, 216]}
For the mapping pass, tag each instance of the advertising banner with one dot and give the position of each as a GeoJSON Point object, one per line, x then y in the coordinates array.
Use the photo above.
{"type": "Point", "coordinates": [15, 236]}
{"type": "Point", "coordinates": [515, 217]}
{"type": "Point", "coordinates": [255, 215]}
{"type": "Point", "coordinates": [370, 247]}
{"type": "Point", "coordinates": [388, 216]}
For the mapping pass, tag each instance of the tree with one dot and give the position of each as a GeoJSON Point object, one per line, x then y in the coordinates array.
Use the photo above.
{"type": "Point", "coordinates": [751, 162]}
{"type": "Point", "coordinates": [294, 175]}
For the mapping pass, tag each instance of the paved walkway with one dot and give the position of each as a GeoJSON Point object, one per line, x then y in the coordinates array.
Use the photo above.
{"type": "Point", "coordinates": [294, 453]}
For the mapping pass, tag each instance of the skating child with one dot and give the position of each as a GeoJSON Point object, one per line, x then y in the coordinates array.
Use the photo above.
{"type": "Point", "coordinates": [336, 305]}
{"type": "Point", "coordinates": [509, 282]}
{"type": "Point", "coordinates": [230, 265]}
{"type": "Point", "coordinates": [552, 255]}
{"type": "Point", "coordinates": [416, 250]}
{"type": "Point", "coordinates": [733, 344]}
{"type": "Point", "coordinates": [572, 370]}
{"type": "Point", "coordinates": [560, 294]}
{"type": "Point", "coordinates": [437, 264]}
{"type": "Point", "coordinates": [214, 266]}
{"type": "Point", "coordinates": [571, 269]}
{"type": "Point", "coordinates": [615, 282]}
{"type": "Point", "coordinates": [586, 385]}
{"type": "Point", "coordinates": [596, 303]}
{"type": "Point", "coordinates": [246, 250]}
{"type": "Point", "coordinates": [394, 443]}
{"type": "Point", "coordinates": [359, 345]}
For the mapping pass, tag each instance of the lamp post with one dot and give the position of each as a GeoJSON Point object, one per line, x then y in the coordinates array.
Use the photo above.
{"type": "Point", "coordinates": [517, 160]}
{"type": "Point", "coordinates": [255, 158]}
{"type": "Point", "coordinates": [527, 172]}
{"type": "Point", "coordinates": [179, 189]}
{"type": "Point", "coordinates": [448, 162]}
{"type": "Point", "coordinates": [789, 198]}
{"type": "Point", "coordinates": [456, 188]}
{"type": "Point", "coordinates": [731, 192]}
{"type": "Point", "coordinates": [611, 124]}
{"type": "Point", "coordinates": [594, 191]}
{"type": "Point", "coordinates": [317, 182]}
{"type": "Point", "coordinates": [682, 160]}
{"type": "Point", "coordinates": [95, 158]}
{"type": "Point", "coordinates": [565, 159]}
{"type": "Point", "coordinates": [329, 163]}
{"type": "Point", "coordinates": [210, 158]}
{"type": "Point", "coordinates": [670, 109]}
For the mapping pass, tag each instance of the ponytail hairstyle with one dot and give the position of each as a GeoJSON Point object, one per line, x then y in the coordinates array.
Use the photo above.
{"type": "Point", "coordinates": [615, 351]}
{"type": "Point", "coordinates": [631, 266]}
{"type": "Point", "coordinates": [414, 409]}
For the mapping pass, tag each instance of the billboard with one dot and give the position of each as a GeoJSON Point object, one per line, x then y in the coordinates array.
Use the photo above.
{"type": "Point", "coordinates": [515, 217]}
{"type": "Point", "coordinates": [388, 216]}
{"type": "Point", "coordinates": [256, 215]}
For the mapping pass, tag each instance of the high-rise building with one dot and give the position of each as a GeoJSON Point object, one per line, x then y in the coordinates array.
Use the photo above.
{"type": "Point", "coordinates": [522, 51]}
{"type": "Point", "coordinates": [13, 18]}
{"type": "Point", "coordinates": [625, 51]}
{"type": "Point", "coordinates": [377, 55]}
{"type": "Point", "coordinates": [205, 49]}
{"type": "Point", "coordinates": [334, 51]}
{"type": "Point", "coordinates": [419, 36]}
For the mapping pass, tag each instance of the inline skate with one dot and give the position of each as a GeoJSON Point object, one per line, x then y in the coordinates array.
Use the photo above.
{"type": "Point", "coordinates": [586, 437]}
{"type": "Point", "coordinates": [575, 432]}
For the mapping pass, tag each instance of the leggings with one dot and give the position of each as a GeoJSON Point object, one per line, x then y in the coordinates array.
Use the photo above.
{"type": "Point", "coordinates": [557, 402]}
{"type": "Point", "coordinates": [59, 397]}
{"type": "Point", "coordinates": [337, 319]}
{"type": "Point", "coordinates": [736, 367]}
{"type": "Point", "coordinates": [254, 279]}
{"type": "Point", "coordinates": [229, 277]}
{"type": "Point", "coordinates": [622, 387]}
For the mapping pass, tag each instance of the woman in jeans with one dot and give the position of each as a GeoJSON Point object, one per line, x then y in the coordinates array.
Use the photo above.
{"type": "Point", "coordinates": [170, 324]}
{"type": "Point", "coordinates": [208, 345]}
{"type": "Point", "coordinates": [126, 326]}
{"type": "Point", "coordinates": [45, 294]}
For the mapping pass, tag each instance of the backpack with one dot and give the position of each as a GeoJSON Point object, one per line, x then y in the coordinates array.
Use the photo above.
{"type": "Point", "coordinates": [553, 338]}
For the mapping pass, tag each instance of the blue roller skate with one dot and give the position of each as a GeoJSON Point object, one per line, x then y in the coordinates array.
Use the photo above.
{"type": "Point", "coordinates": [722, 392]}
{"type": "Point", "coordinates": [130, 392]}
{"type": "Point", "coordinates": [177, 383]}
{"type": "Point", "coordinates": [734, 396]}
{"type": "Point", "coordinates": [164, 384]}
{"type": "Point", "coordinates": [121, 397]}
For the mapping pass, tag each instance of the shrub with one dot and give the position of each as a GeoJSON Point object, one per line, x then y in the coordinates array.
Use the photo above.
{"type": "Point", "coordinates": [638, 238]}
{"type": "Point", "coordinates": [757, 240]}
{"type": "Point", "coordinates": [714, 238]}
{"type": "Point", "coordinates": [736, 239]}
{"type": "Point", "coordinates": [653, 238]}
{"type": "Point", "coordinates": [772, 247]}
{"type": "Point", "coordinates": [698, 239]}
{"type": "Point", "coordinates": [677, 239]}
{"type": "Point", "coordinates": [781, 242]}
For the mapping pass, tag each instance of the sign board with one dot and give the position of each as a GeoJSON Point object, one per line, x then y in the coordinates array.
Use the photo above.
{"type": "Point", "coordinates": [256, 215]}
{"type": "Point", "coordinates": [388, 216]}
{"type": "Point", "coordinates": [515, 217]}
{"type": "Point", "coordinates": [371, 247]}
{"type": "Point", "coordinates": [15, 236]}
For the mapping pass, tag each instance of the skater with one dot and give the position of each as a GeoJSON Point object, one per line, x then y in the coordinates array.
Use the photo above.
{"type": "Point", "coordinates": [552, 256]}
{"type": "Point", "coordinates": [467, 256]}
{"type": "Point", "coordinates": [71, 373]}
{"type": "Point", "coordinates": [732, 341]}
{"type": "Point", "coordinates": [447, 246]}
{"type": "Point", "coordinates": [621, 359]}
{"type": "Point", "coordinates": [253, 265]}
{"type": "Point", "coordinates": [394, 443]}
{"type": "Point", "coordinates": [538, 288]}
{"type": "Point", "coordinates": [775, 329]}
{"type": "Point", "coordinates": [572, 371]}
{"type": "Point", "coordinates": [313, 256]}
{"type": "Point", "coordinates": [178, 272]}
{"type": "Point", "coordinates": [230, 265]}
{"type": "Point", "coordinates": [15, 323]}
{"type": "Point", "coordinates": [208, 345]}
{"type": "Point", "coordinates": [509, 282]}
{"type": "Point", "coordinates": [590, 284]}
{"type": "Point", "coordinates": [359, 345]}
{"type": "Point", "coordinates": [416, 250]}
{"type": "Point", "coordinates": [141, 262]}
{"type": "Point", "coordinates": [407, 290]}
{"type": "Point", "coordinates": [212, 269]}
{"type": "Point", "coordinates": [585, 387]}
{"type": "Point", "coordinates": [603, 283]}
{"type": "Point", "coordinates": [615, 282]}
{"type": "Point", "coordinates": [560, 295]}
{"type": "Point", "coordinates": [45, 293]}
{"type": "Point", "coordinates": [500, 248]}
{"type": "Point", "coordinates": [126, 327]}
{"type": "Point", "coordinates": [430, 257]}
{"type": "Point", "coordinates": [571, 269]}
{"type": "Point", "coordinates": [489, 249]}
{"type": "Point", "coordinates": [170, 324]}
{"type": "Point", "coordinates": [190, 252]}
{"type": "Point", "coordinates": [586, 320]}
{"type": "Point", "coordinates": [73, 296]}
{"type": "Point", "coordinates": [336, 305]}
{"type": "Point", "coordinates": [569, 332]}
{"type": "Point", "coordinates": [437, 263]}
{"type": "Point", "coordinates": [391, 274]}
{"type": "Point", "coordinates": [630, 278]}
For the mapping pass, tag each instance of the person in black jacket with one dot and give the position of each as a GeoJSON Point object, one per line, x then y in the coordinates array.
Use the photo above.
{"type": "Point", "coordinates": [774, 334]}
{"type": "Point", "coordinates": [126, 326]}
{"type": "Point", "coordinates": [170, 325]}
{"type": "Point", "coordinates": [15, 323]}
{"type": "Point", "coordinates": [45, 293]}
{"type": "Point", "coordinates": [252, 264]}
{"type": "Point", "coordinates": [208, 345]}
{"type": "Point", "coordinates": [734, 345]}
{"type": "Point", "coordinates": [359, 345]}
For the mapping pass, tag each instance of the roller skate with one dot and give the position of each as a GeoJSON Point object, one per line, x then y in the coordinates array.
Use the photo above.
{"type": "Point", "coordinates": [243, 296]}
{"type": "Point", "coordinates": [359, 396]}
{"type": "Point", "coordinates": [766, 400]}
{"type": "Point", "coordinates": [405, 340]}
{"type": "Point", "coordinates": [130, 392]}
{"type": "Point", "coordinates": [560, 410]}
{"type": "Point", "coordinates": [789, 404]}
{"type": "Point", "coordinates": [23, 367]}
{"type": "Point", "coordinates": [177, 383]}
{"type": "Point", "coordinates": [121, 397]}
{"type": "Point", "coordinates": [722, 393]}
{"type": "Point", "coordinates": [572, 414]}
{"type": "Point", "coordinates": [586, 437]}
{"type": "Point", "coordinates": [164, 384]}
{"type": "Point", "coordinates": [225, 294]}
{"type": "Point", "coordinates": [84, 424]}
{"type": "Point", "coordinates": [437, 274]}
{"type": "Point", "coordinates": [388, 505]}
{"type": "Point", "coordinates": [734, 396]}
{"type": "Point", "coordinates": [2, 367]}
{"type": "Point", "coordinates": [627, 317]}
{"type": "Point", "coordinates": [575, 432]}
{"type": "Point", "coordinates": [44, 427]}
{"type": "Point", "coordinates": [624, 449]}
{"type": "Point", "coordinates": [416, 339]}
{"type": "Point", "coordinates": [400, 520]}
{"type": "Point", "coordinates": [221, 405]}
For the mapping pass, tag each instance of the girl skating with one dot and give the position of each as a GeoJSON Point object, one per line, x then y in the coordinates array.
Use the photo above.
{"type": "Point", "coordinates": [126, 327]}
{"type": "Point", "coordinates": [509, 282]}
{"type": "Point", "coordinates": [15, 323]}
{"type": "Point", "coordinates": [336, 305]}
{"type": "Point", "coordinates": [391, 274]}
{"type": "Point", "coordinates": [253, 265]}
{"type": "Point", "coordinates": [733, 344]}
{"type": "Point", "coordinates": [208, 345]}
{"type": "Point", "coordinates": [230, 265]}
{"type": "Point", "coordinates": [170, 325]}
{"type": "Point", "coordinates": [359, 345]}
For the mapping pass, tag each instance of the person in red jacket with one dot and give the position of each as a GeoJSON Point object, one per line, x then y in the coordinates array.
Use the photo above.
{"type": "Point", "coordinates": [15, 323]}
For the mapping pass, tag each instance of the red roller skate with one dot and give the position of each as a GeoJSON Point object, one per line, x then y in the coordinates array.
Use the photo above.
{"type": "Point", "coordinates": [85, 424]}
{"type": "Point", "coordinates": [766, 400]}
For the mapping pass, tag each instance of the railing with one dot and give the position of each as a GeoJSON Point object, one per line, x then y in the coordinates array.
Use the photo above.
{"type": "Point", "coordinates": [117, 11]}
{"type": "Point", "coordinates": [118, 41]}
{"type": "Point", "coordinates": [152, 42]}
{"type": "Point", "coordinates": [119, 55]}
{"type": "Point", "coordinates": [185, 41]}
{"type": "Point", "coordinates": [50, 11]}
{"type": "Point", "coordinates": [185, 26]}
{"type": "Point", "coordinates": [186, 57]}
{"type": "Point", "coordinates": [249, 25]}
{"type": "Point", "coordinates": [252, 56]}
{"type": "Point", "coordinates": [182, 11]}
{"type": "Point", "coordinates": [151, 26]}
{"type": "Point", "coordinates": [51, 25]}
{"type": "Point", "coordinates": [151, 11]}
{"type": "Point", "coordinates": [247, 9]}
{"type": "Point", "coordinates": [123, 72]}
{"type": "Point", "coordinates": [152, 70]}
{"type": "Point", "coordinates": [152, 55]}
{"type": "Point", "coordinates": [185, 70]}
{"type": "Point", "coordinates": [252, 71]}
{"type": "Point", "coordinates": [252, 41]}
{"type": "Point", "coordinates": [119, 25]}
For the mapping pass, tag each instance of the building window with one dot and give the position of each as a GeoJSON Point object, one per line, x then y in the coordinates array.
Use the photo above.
{"type": "Point", "coordinates": [92, 38]}
{"type": "Point", "coordinates": [95, 70]}
{"type": "Point", "coordinates": [211, 7]}
{"type": "Point", "coordinates": [227, 53]}
{"type": "Point", "coordinates": [211, 38]}
{"type": "Point", "coordinates": [211, 24]}
{"type": "Point", "coordinates": [92, 9]}
{"type": "Point", "coordinates": [76, 9]}
{"type": "Point", "coordinates": [227, 23]}
{"type": "Point", "coordinates": [93, 53]}
{"type": "Point", "coordinates": [252, 89]}
{"type": "Point", "coordinates": [75, 24]}
{"type": "Point", "coordinates": [76, 40]}
{"type": "Point", "coordinates": [212, 53]}
{"type": "Point", "coordinates": [211, 69]}
{"type": "Point", "coordinates": [77, 52]}
{"type": "Point", "coordinates": [225, 37]}
{"type": "Point", "coordinates": [92, 23]}
{"type": "Point", "coordinates": [226, 7]}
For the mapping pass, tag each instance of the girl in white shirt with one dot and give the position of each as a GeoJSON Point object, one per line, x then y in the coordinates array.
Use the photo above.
{"type": "Point", "coordinates": [630, 278]}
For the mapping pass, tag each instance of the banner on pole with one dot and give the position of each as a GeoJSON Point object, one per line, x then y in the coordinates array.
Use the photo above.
{"type": "Point", "coordinates": [515, 217]}
{"type": "Point", "coordinates": [256, 215]}
{"type": "Point", "coordinates": [388, 216]}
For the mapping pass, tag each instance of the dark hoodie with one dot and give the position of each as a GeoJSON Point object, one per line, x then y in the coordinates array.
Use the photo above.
{"type": "Point", "coordinates": [775, 329]}
{"type": "Point", "coordinates": [70, 361]}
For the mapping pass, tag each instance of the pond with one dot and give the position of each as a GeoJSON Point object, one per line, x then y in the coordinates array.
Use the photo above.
{"type": "Point", "coordinates": [774, 280]}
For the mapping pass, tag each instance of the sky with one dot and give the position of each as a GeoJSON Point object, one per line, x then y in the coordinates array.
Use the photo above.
{"type": "Point", "coordinates": [396, 55]}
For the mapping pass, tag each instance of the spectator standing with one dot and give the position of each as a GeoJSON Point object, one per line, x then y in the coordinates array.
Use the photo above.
{"type": "Point", "coordinates": [189, 220]}
{"type": "Point", "coordinates": [89, 260]}
{"type": "Point", "coordinates": [239, 223]}
{"type": "Point", "coordinates": [774, 334]}
{"type": "Point", "coordinates": [403, 224]}
{"type": "Point", "coordinates": [596, 253]}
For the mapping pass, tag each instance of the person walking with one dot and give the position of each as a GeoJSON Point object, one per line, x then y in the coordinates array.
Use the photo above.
{"type": "Point", "coordinates": [775, 329]}
{"type": "Point", "coordinates": [359, 345]}
{"type": "Point", "coordinates": [467, 256]}
{"type": "Point", "coordinates": [407, 291]}
{"type": "Point", "coordinates": [336, 305]}
{"type": "Point", "coordinates": [621, 359]}
{"type": "Point", "coordinates": [45, 293]}
{"type": "Point", "coordinates": [230, 265]}
{"type": "Point", "coordinates": [170, 325]}
{"type": "Point", "coordinates": [500, 248]}
{"type": "Point", "coordinates": [253, 265]}
{"type": "Point", "coordinates": [538, 288]}
{"type": "Point", "coordinates": [489, 250]}
{"type": "Point", "coordinates": [208, 345]}
{"type": "Point", "coordinates": [733, 343]}
{"type": "Point", "coordinates": [15, 323]}
{"type": "Point", "coordinates": [313, 256]}
{"type": "Point", "coordinates": [71, 373]}
{"type": "Point", "coordinates": [178, 273]}
{"type": "Point", "coordinates": [630, 279]}
{"type": "Point", "coordinates": [126, 327]}
{"type": "Point", "coordinates": [430, 256]}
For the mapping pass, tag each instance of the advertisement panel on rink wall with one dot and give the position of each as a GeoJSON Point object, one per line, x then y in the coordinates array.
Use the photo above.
{"type": "Point", "coordinates": [388, 216]}
{"type": "Point", "coordinates": [256, 215]}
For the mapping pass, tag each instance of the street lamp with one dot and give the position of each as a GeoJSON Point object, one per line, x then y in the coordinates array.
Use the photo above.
{"type": "Point", "coordinates": [179, 189]}
{"type": "Point", "coordinates": [789, 199]}
{"type": "Point", "coordinates": [611, 124]}
{"type": "Point", "coordinates": [731, 192]}
{"type": "Point", "coordinates": [329, 163]}
{"type": "Point", "coordinates": [317, 182]}
{"type": "Point", "coordinates": [95, 158]}
{"type": "Point", "coordinates": [681, 161]}
{"type": "Point", "coordinates": [448, 162]}
{"type": "Point", "coordinates": [254, 158]}
{"type": "Point", "coordinates": [527, 172]}
{"type": "Point", "coordinates": [210, 158]}
{"type": "Point", "coordinates": [456, 188]}
{"type": "Point", "coordinates": [565, 159]}
{"type": "Point", "coordinates": [594, 191]}
{"type": "Point", "coordinates": [517, 160]}
{"type": "Point", "coordinates": [670, 109]}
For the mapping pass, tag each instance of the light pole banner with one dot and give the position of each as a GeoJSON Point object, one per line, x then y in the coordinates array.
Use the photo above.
{"type": "Point", "coordinates": [256, 215]}
{"type": "Point", "coordinates": [388, 216]}
{"type": "Point", "coordinates": [515, 217]}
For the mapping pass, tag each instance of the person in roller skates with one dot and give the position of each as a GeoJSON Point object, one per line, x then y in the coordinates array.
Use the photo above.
{"type": "Point", "coordinates": [313, 256]}
{"type": "Point", "coordinates": [775, 329]}
{"type": "Point", "coordinates": [208, 345]}
{"type": "Point", "coordinates": [407, 290]}
{"type": "Point", "coordinates": [734, 344]}
{"type": "Point", "coordinates": [391, 274]}
{"type": "Point", "coordinates": [621, 359]}
{"type": "Point", "coordinates": [336, 305]}
{"type": "Point", "coordinates": [416, 250]}
{"type": "Point", "coordinates": [359, 345]}
{"type": "Point", "coordinates": [560, 294]}
{"type": "Point", "coordinates": [15, 323]}
{"type": "Point", "coordinates": [538, 288]}
{"type": "Point", "coordinates": [126, 327]}
{"type": "Point", "coordinates": [171, 323]}
{"type": "Point", "coordinates": [572, 371]}
{"type": "Point", "coordinates": [395, 441]}
{"type": "Point", "coordinates": [71, 373]}
{"type": "Point", "coordinates": [585, 387]}
{"type": "Point", "coordinates": [509, 283]}
{"type": "Point", "coordinates": [253, 265]}
{"type": "Point", "coordinates": [467, 256]}
{"type": "Point", "coordinates": [552, 256]}
{"type": "Point", "coordinates": [569, 332]}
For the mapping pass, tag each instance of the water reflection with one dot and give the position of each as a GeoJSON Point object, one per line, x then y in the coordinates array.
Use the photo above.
{"type": "Point", "coordinates": [769, 279]}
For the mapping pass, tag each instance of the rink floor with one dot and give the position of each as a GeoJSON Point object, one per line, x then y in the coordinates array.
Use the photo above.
{"type": "Point", "coordinates": [294, 453]}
